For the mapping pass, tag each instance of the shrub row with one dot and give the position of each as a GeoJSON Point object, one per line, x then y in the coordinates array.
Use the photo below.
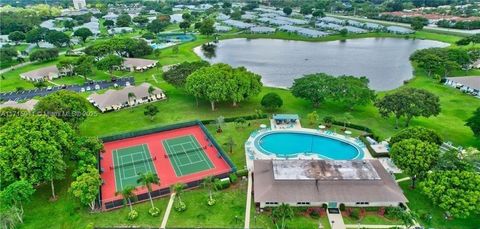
{"type": "Point", "coordinates": [233, 119]}
{"type": "Point", "coordinates": [222, 184]}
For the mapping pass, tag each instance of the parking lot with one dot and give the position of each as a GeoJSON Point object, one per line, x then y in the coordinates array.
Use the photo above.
{"type": "Point", "coordinates": [90, 86]}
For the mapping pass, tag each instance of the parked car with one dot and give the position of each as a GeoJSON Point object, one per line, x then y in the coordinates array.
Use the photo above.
{"type": "Point", "coordinates": [127, 83]}
{"type": "Point", "coordinates": [88, 88]}
{"type": "Point", "coordinates": [63, 86]}
{"type": "Point", "coordinates": [82, 89]}
{"type": "Point", "coordinates": [49, 88]}
{"type": "Point", "coordinates": [97, 87]}
{"type": "Point", "coordinates": [115, 85]}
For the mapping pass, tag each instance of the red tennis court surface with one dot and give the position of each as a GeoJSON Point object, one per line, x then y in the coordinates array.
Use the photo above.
{"type": "Point", "coordinates": [154, 144]}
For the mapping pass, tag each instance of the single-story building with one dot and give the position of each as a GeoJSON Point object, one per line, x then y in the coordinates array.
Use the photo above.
{"type": "Point", "coordinates": [222, 29]}
{"type": "Point", "coordinates": [111, 16]}
{"type": "Point", "coordinates": [468, 84]}
{"type": "Point", "coordinates": [28, 105]}
{"type": "Point", "coordinates": [355, 183]}
{"type": "Point", "coordinates": [118, 30]}
{"type": "Point", "coordinates": [262, 29]}
{"type": "Point", "coordinates": [41, 74]}
{"type": "Point", "coordinates": [126, 97]}
{"type": "Point", "coordinates": [138, 64]}
{"type": "Point", "coordinates": [399, 30]}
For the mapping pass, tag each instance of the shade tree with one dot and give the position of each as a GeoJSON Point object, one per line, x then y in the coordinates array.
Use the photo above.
{"type": "Point", "coordinates": [414, 157]}
{"type": "Point", "coordinates": [455, 191]}
{"type": "Point", "coordinates": [16, 36]}
{"type": "Point", "coordinates": [16, 195]}
{"type": "Point", "coordinates": [83, 33]}
{"type": "Point", "coordinates": [86, 187]}
{"type": "Point", "coordinates": [109, 63]}
{"type": "Point", "coordinates": [177, 75]}
{"type": "Point", "coordinates": [221, 82]}
{"type": "Point", "coordinates": [66, 105]}
{"type": "Point", "coordinates": [408, 103]}
{"type": "Point", "coordinates": [271, 101]}
{"type": "Point", "coordinates": [34, 148]}
{"type": "Point", "coordinates": [419, 133]}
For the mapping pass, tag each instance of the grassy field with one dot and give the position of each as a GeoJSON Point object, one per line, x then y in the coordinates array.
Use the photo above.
{"type": "Point", "coordinates": [419, 203]}
{"type": "Point", "coordinates": [228, 212]}
{"type": "Point", "coordinates": [67, 212]}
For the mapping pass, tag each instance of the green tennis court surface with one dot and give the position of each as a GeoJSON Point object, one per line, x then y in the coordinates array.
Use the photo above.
{"type": "Point", "coordinates": [128, 163]}
{"type": "Point", "coordinates": [186, 155]}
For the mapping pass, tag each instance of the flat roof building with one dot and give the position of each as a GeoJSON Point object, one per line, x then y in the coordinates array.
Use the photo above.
{"type": "Point", "coordinates": [357, 183]}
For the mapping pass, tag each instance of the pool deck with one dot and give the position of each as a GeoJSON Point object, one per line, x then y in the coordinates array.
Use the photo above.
{"type": "Point", "coordinates": [252, 153]}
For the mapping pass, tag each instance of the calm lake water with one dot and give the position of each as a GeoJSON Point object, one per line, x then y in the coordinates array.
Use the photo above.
{"type": "Point", "coordinates": [383, 60]}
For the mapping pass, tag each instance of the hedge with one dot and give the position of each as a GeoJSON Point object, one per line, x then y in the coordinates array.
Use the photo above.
{"type": "Point", "coordinates": [242, 172]}
{"type": "Point", "coordinates": [233, 119]}
{"type": "Point", "coordinates": [219, 184]}
{"type": "Point", "coordinates": [233, 177]}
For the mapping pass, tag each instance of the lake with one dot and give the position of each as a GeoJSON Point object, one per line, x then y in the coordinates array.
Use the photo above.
{"type": "Point", "coordinates": [384, 61]}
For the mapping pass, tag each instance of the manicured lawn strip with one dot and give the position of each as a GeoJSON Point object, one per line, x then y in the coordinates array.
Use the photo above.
{"type": "Point", "coordinates": [67, 212]}
{"type": "Point", "coordinates": [372, 219]}
{"type": "Point", "coordinates": [12, 78]}
{"type": "Point", "coordinates": [229, 203]}
{"type": "Point", "coordinates": [419, 203]}
{"type": "Point", "coordinates": [263, 220]}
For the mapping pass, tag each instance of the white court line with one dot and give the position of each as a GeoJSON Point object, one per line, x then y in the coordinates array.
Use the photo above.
{"type": "Point", "coordinates": [146, 152]}
{"type": "Point", "coordinates": [174, 159]}
{"type": "Point", "coordinates": [203, 153]}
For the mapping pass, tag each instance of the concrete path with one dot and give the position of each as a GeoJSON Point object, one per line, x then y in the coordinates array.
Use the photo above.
{"type": "Point", "coordinates": [336, 221]}
{"type": "Point", "coordinates": [167, 211]}
{"type": "Point", "coordinates": [249, 201]}
{"type": "Point", "coordinates": [56, 84]}
{"type": "Point", "coordinates": [373, 226]}
{"type": "Point", "coordinates": [402, 179]}
{"type": "Point", "coordinates": [15, 67]}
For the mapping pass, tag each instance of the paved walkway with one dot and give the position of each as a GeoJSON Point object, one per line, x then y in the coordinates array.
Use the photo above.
{"type": "Point", "coordinates": [249, 201]}
{"type": "Point", "coordinates": [402, 179]}
{"type": "Point", "coordinates": [372, 226]}
{"type": "Point", "coordinates": [336, 221]}
{"type": "Point", "coordinates": [167, 211]}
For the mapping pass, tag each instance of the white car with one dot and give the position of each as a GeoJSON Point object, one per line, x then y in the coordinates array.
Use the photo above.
{"type": "Point", "coordinates": [49, 88]}
{"type": "Point", "coordinates": [127, 83]}
{"type": "Point", "coordinates": [115, 85]}
{"type": "Point", "coordinates": [88, 88]}
{"type": "Point", "coordinates": [97, 87]}
{"type": "Point", "coordinates": [82, 89]}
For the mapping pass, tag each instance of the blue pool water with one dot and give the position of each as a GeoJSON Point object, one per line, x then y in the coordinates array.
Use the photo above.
{"type": "Point", "coordinates": [290, 144]}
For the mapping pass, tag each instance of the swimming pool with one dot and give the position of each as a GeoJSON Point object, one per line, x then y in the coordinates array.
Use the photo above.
{"type": "Point", "coordinates": [293, 143]}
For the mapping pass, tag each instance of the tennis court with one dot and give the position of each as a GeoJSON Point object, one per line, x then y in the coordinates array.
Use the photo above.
{"type": "Point", "coordinates": [187, 155]}
{"type": "Point", "coordinates": [129, 163]}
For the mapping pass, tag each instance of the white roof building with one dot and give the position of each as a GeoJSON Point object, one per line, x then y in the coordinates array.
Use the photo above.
{"type": "Point", "coordinates": [262, 29]}
{"type": "Point", "coordinates": [125, 97]}
{"type": "Point", "coordinates": [138, 64]}
{"type": "Point", "coordinates": [111, 16]}
{"type": "Point", "coordinates": [332, 20]}
{"type": "Point", "coordinates": [303, 31]}
{"type": "Point", "coordinates": [238, 24]}
{"type": "Point", "coordinates": [222, 17]}
{"type": "Point", "coordinates": [399, 30]}
{"type": "Point", "coordinates": [221, 28]}
{"type": "Point", "coordinates": [118, 30]}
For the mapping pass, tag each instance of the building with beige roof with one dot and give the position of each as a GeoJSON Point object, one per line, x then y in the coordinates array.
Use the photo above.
{"type": "Point", "coordinates": [126, 97]}
{"type": "Point", "coordinates": [28, 105]}
{"type": "Point", "coordinates": [356, 183]}
{"type": "Point", "coordinates": [138, 64]}
{"type": "Point", "coordinates": [41, 74]}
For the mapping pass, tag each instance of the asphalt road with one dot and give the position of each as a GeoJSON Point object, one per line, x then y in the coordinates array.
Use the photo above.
{"type": "Point", "coordinates": [28, 94]}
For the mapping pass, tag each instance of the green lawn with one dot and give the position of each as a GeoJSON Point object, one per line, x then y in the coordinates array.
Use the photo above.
{"type": "Point", "coordinates": [263, 220]}
{"type": "Point", "coordinates": [66, 212]}
{"type": "Point", "coordinates": [419, 203]}
{"type": "Point", "coordinates": [229, 210]}
{"type": "Point", "coordinates": [372, 219]}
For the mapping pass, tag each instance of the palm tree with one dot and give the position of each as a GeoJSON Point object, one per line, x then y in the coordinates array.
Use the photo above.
{"type": "Point", "coordinates": [209, 184]}
{"type": "Point", "coordinates": [283, 213]}
{"type": "Point", "coordinates": [128, 195]}
{"type": "Point", "coordinates": [147, 179]}
{"type": "Point", "coordinates": [178, 190]}
{"type": "Point", "coordinates": [131, 95]}
{"type": "Point", "coordinates": [230, 144]}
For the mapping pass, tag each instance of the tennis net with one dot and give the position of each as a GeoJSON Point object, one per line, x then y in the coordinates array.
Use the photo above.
{"type": "Point", "coordinates": [194, 150]}
{"type": "Point", "coordinates": [133, 163]}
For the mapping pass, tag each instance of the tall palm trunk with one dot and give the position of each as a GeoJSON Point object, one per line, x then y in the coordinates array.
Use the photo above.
{"type": "Point", "coordinates": [151, 200]}
{"type": "Point", "coordinates": [130, 204]}
{"type": "Point", "coordinates": [212, 103]}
